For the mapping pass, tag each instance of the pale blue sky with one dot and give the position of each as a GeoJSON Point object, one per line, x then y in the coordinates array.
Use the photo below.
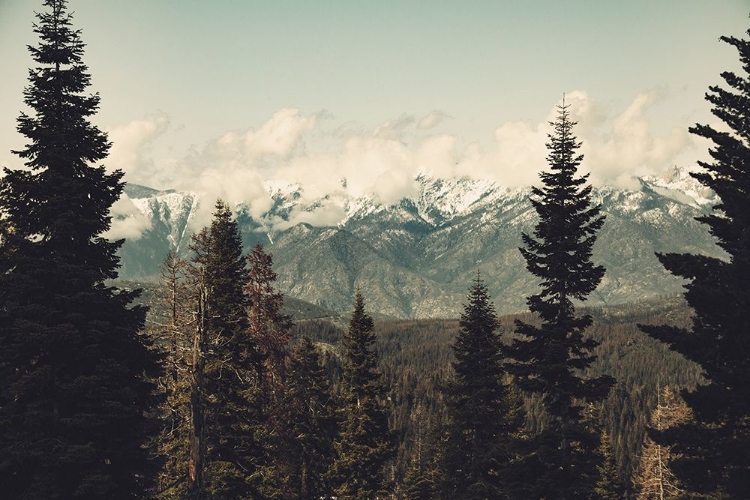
{"type": "Point", "coordinates": [193, 71]}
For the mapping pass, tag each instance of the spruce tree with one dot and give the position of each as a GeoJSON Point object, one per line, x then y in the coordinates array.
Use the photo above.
{"type": "Point", "coordinates": [482, 416]}
{"type": "Point", "coordinates": [549, 358]}
{"type": "Point", "coordinates": [74, 398]}
{"type": "Point", "coordinates": [310, 411]}
{"type": "Point", "coordinates": [172, 331]}
{"type": "Point", "coordinates": [230, 396]}
{"type": "Point", "coordinates": [364, 445]}
{"type": "Point", "coordinates": [714, 449]}
{"type": "Point", "coordinates": [269, 327]}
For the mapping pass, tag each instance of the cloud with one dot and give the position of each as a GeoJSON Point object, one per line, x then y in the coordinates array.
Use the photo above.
{"type": "Point", "coordinates": [333, 162]}
{"type": "Point", "coordinates": [431, 120]}
{"type": "Point", "coordinates": [127, 221]}
{"type": "Point", "coordinates": [131, 148]}
{"type": "Point", "coordinates": [278, 136]}
{"type": "Point", "coordinates": [627, 147]}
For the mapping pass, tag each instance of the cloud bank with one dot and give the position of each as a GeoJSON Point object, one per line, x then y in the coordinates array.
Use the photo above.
{"type": "Point", "coordinates": [335, 162]}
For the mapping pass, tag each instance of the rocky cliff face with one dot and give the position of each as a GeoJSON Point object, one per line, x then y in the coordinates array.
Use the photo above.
{"type": "Point", "coordinates": [416, 258]}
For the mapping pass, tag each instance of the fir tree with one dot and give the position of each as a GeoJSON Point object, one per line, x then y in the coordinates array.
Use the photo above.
{"type": "Point", "coordinates": [364, 445]}
{"type": "Point", "coordinates": [549, 358]}
{"type": "Point", "coordinates": [73, 392]}
{"type": "Point", "coordinates": [480, 408]}
{"type": "Point", "coordinates": [310, 411]}
{"type": "Point", "coordinates": [269, 327]}
{"type": "Point", "coordinates": [714, 449]}
{"type": "Point", "coordinates": [172, 331]}
{"type": "Point", "coordinates": [230, 396]}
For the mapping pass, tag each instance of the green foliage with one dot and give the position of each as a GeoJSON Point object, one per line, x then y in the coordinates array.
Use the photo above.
{"type": "Point", "coordinates": [232, 412]}
{"type": "Point", "coordinates": [310, 411]}
{"type": "Point", "coordinates": [73, 397]}
{"type": "Point", "coordinates": [549, 358]}
{"type": "Point", "coordinates": [714, 449]}
{"type": "Point", "coordinates": [482, 414]}
{"type": "Point", "coordinates": [364, 444]}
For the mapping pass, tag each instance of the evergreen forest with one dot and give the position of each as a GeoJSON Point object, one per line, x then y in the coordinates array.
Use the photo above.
{"type": "Point", "coordinates": [211, 384]}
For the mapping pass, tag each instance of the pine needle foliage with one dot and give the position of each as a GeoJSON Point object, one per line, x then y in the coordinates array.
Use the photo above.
{"type": "Point", "coordinates": [482, 416]}
{"type": "Point", "coordinates": [549, 359]}
{"type": "Point", "coordinates": [74, 396]}
{"type": "Point", "coordinates": [714, 448]}
{"type": "Point", "coordinates": [364, 445]}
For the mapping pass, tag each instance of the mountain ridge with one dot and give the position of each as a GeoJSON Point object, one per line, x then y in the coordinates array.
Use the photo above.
{"type": "Point", "coordinates": [415, 258]}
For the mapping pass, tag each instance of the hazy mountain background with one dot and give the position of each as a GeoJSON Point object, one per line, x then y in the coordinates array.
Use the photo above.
{"type": "Point", "coordinates": [416, 258]}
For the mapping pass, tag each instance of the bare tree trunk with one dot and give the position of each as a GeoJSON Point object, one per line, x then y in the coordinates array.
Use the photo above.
{"type": "Point", "coordinates": [196, 488]}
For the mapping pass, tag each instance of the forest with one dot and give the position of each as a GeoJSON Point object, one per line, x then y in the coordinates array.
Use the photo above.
{"type": "Point", "coordinates": [212, 385]}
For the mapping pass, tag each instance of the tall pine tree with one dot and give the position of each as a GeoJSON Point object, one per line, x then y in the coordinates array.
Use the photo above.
{"type": "Point", "coordinates": [310, 410]}
{"type": "Point", "coordinates": [364, 445]}
{"type": "Point", "coordinates": [483, 416]}
{"type": "Point", "coordinates": [549, 358]}
{"type": "Point", "coordinates": [73, 397]}
{"type": "Point", "coordinates": [714, 449]}
{"type": "Point", "coordinates": [230, 394]}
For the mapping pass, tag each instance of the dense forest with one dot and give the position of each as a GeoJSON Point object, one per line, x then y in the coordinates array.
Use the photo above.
{"type": "Point", "coordinates": [208, 386]}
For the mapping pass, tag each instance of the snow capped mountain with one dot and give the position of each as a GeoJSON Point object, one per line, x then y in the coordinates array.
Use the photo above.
{"type": "Point", "coordinates": [416, 258]}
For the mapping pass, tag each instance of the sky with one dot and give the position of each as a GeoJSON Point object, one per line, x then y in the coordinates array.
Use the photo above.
{"type": "Point", "coordinates": [360, 96]}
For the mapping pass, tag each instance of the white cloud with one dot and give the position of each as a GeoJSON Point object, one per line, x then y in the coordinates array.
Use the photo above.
{"type": "Point", "coordinates": [328, 160]}
{"type": "Point", "coordinates": [131, 147]}
{"type": "Point", "coordinates": [127, 221]}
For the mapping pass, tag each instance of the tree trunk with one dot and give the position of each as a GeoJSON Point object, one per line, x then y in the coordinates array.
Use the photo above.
{"type": "Point", "coordinates": [196, 489]}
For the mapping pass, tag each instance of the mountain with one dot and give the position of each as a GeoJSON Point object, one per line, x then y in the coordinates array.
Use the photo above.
{"type": "Point", "coordinates": [416, 258]}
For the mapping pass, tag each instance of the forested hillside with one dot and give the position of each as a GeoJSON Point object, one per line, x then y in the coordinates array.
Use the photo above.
{"type": "Point", "coordinates": [209, 384]}
{"type": "Point", "coordinates": [416, 357]}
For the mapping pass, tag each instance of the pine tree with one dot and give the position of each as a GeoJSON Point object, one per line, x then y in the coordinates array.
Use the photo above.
{"type": "Point", "coordinates": [269, 327]}
{"type": "Point", "coordinates": [714, 448]}
{"type": "Point", "coordinates": [310, 410]}
{"type": "Point", "coordinates": [610, 485]}
{"type": "Point", "coordinates": [549, 358]}
{"type": "Point", "coordinates": [230, 394]}
{"type": "Point", "coordinates": [364, 445]}
{"type": "Point", "coordinates": [74, 398]}
{"type": "Point", "coordinates": [172, 330]}
{"type": "Point", "coordinates": [654, 479]}
{"type": "Point", "coordinates": [481, 412]}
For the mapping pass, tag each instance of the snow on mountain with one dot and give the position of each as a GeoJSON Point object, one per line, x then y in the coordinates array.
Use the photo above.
{"type": "Point", "coordinates": [416, 258]}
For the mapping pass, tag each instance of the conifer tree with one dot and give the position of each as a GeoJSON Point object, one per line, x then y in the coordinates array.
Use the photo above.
{"type": "Point", "coordinates": [230, 396]}
{"type": "Point", "coordinates": [714, 448]}
{"type": "Point", "coordinates": [549, 358]}
{"type": "Point", "coordinates": [364, 445]}
{"type": "Point", "coordinates": [609, 485]}
{"type": "Point", "coordinates": [269, 327]}
{"type": "Point", "coordinates": [482, 415]}
{"type": "Point", "coordinates": [654, 479]}
{"type": "Point", "coordinates": [172, 330]}
{"type": "Point", "coordinates": [310, 411]}
{"type": "Point", "coordinates": [74, 398]}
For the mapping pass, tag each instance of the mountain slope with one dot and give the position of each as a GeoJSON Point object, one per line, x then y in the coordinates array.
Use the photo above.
{"type": "Point", "coordinates": [416, 258]}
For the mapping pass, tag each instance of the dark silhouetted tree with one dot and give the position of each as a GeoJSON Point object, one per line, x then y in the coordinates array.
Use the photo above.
{"type": "Point", "coordinates": [364, 445]}
{"type": "Point", "coordinates": [230, 395]}
{"type": "Point", "coordinates": [483, 416]}
{"type": "Point", "coordinates": [74, 398]}
{"type": "Point", "coordinates": [310, 410]}
{"type": "Point", "coordinates": [714, 448]}
{"type": "Point", "coordinates": [269, 327]}
{"type": "Point", "coordinates": [549, 359]}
